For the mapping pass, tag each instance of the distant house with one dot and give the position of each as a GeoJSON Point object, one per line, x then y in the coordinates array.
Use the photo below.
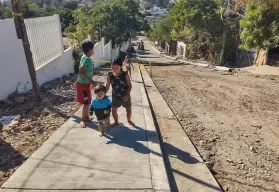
{"type": "Point", "coordinates": [158, 11]}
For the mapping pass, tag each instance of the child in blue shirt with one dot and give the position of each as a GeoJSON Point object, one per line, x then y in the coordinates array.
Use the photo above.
{"type": "Point", "coordinates": [101, 105]}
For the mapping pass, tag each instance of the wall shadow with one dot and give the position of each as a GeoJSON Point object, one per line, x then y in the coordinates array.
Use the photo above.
{"type": "Point", "coordinates": [10, 157]}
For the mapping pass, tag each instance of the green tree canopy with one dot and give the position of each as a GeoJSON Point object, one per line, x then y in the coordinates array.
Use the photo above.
{"type": "Point", "coordinates": [117, 20]}
{"type": "Point", "coordinates": [72, 5]}
{"type": "Point", "coordinates": [31, 10]}
{"type": "Point", "coordinates": [198, 16]}
{"type": "Point", "coordinates": [260, 25]}
{"type": "Point", "coordinates": [162, 30]}
{"type": "Point", "coordinates": [199, 24]}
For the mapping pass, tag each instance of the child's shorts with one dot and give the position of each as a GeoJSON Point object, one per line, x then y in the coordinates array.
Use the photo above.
{"type": "Point", "coordinates": [83, 93]}
{"type": "Point", "coordinates": [116, 103]}
{"type": "Point", "coordinates": [103, 118]}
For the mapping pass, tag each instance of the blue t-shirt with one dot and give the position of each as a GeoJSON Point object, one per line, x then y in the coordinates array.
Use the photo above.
{"type": "Point", "coordinates": [101, 107]}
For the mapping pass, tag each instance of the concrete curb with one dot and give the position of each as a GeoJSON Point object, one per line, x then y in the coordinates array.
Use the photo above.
{"type": "Point", "coordinates": [157, 166]}
{"type": "Point", "coordinates": [219, 68]}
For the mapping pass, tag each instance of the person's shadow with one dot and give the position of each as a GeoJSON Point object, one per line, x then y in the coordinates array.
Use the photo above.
{"type": "Point", "coordinates": [135, 137]}
{"type": "Point", "coordinates": [132, 138]}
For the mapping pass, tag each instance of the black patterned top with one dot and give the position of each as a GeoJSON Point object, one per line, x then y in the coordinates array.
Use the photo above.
{"type": "Point", "coordinates": [119, 85]}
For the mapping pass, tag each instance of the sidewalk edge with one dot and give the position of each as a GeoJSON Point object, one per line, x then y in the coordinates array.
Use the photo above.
{"type": "Point", "coordinates": [159, 177]}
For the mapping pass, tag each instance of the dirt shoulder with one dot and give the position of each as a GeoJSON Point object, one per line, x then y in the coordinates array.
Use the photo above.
{"type": "Point", "coordinates": [232, 120]}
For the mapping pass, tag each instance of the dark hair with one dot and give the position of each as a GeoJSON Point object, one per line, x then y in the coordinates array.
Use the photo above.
{"type": "Point", "coordinates": [99, 88]}
{"type": "Point", "coordinates": [129, 56]}
{"type": "Point", "coordinates": [86, 46]}
{"type": "Point", "coordinates": [117, 61]}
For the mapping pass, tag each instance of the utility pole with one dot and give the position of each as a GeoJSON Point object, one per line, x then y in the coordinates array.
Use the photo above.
{"type": "Point", "coordinates": [100, 31]}
{"type": "Point", "coordinates": [22, 34]}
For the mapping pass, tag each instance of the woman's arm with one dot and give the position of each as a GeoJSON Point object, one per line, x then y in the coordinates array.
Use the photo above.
{"type": "Point", "coordinates": [108, 83]}
{"type": "Point", "coordinates": [129, 83]}
{"type": "Point", "coordinates": [127, 95]}
{"type": "Point", "coordinates": [131, 64]}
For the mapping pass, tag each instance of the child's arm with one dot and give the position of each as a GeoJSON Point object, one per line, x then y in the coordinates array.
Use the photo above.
{"type": "Point", "coordinates": [82, 74]}
{"type": "Point", "coordinates": [126, 97]}
{"type": "Point", "coordinates": [108, 83]}
{"type": "Point", "coordinates": [109, 104]}
{"type": "Point", "coordinates": [91, 108]}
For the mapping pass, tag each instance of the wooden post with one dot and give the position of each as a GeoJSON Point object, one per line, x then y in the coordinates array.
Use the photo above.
{"type": "Point", "coordinates": [223, 48]}
{"type": "Point", "coordinates": [150, 69]}
{"type": "Point", "coordinates": [22, 34]}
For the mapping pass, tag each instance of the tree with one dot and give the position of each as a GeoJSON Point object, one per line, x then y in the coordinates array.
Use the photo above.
{"type": "Point", "coordinates": [72, 5]}
{"type": "Point", "coordinates": [5, 10]}
{"type": "Point", "coordinates": [162, 30]}
{"type": "Point", "coordinates": [260, 26]}
{"type": "Point", "coordinates": [198, 23]}
{"type": "Point", "coordinates": [116, 20]}
{"type": "Point", "coordinates": [146, 4]}
{"type": "Point", "coordinates": [66, 18]}
{"type": "Point", "coordinates": [47, 3]}
{"type": "Point", "coordinates": [170, 5]}
{"type": "Point", "coordinates": [30, 10]}
{"type": "Point", "coordinates": [160, 3]}
{"type": "Point", "coordinates": [84, 25]}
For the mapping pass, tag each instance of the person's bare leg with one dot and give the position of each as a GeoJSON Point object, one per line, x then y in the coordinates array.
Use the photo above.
{"type": "Point", "coordinates": [129, 115]}
{"type": "Point", "coordinates": [107, 122]}
{"type": "Point", "coordinates": [115, 116]}
{"type": "Point", "coordinates": [100, 126]}
{"type": "Point", "coordinates": [130, 73]}
{"type": "Point", "coordinates": [84, 116]}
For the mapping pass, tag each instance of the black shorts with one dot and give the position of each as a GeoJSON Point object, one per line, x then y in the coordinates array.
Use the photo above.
{"type": "Point", "coordinates": [118, 102]}
{"type": "Point", "coordinates": [101, 119]}
{"type": "Point", "coordinates": [100, 114]}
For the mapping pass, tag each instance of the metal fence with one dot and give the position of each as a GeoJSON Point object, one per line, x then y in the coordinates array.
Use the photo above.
{"type": "Point", "coordinates": [45, 37]}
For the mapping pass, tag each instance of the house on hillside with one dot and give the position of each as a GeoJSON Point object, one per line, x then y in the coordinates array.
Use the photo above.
{"type": "Point", "coordinates": [158, 11]}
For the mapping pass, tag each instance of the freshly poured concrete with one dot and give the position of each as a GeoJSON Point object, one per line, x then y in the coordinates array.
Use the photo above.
{"type": "Point", "coordinates": [79, 159]}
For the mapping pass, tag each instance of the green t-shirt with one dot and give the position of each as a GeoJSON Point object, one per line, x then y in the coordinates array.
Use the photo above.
{"type": "Point", "coordinates": [87, 62]}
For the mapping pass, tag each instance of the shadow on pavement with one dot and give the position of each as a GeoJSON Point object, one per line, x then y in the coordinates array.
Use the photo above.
{"type": "Point", "coordinates": [133, 138]}
{"type": "Point", "coordinates": [163, 64]}
{"type": "Point", "coordinates": [127, 137]}
{"type": "Point", "coordinates": [150, 57]}
{"type": "Point", "coordinates": [175, 152]}
{"type": "Point", "coordinates": [197, 180]}
{"type": "Point", "coordinates": [10, 158]}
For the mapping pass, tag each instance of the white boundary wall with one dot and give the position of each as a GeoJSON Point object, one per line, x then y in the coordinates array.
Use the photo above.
{"type": "Point", "coordinates": [14, 72]}
{"type": "Point", "coordinates": [45, 37]}
{"type": "Point", "coordinates": [103, 53]}
{"type": "Point", "coordinates": [57, 67]}
{"type": "Point", "coordinates": [50, 64]}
